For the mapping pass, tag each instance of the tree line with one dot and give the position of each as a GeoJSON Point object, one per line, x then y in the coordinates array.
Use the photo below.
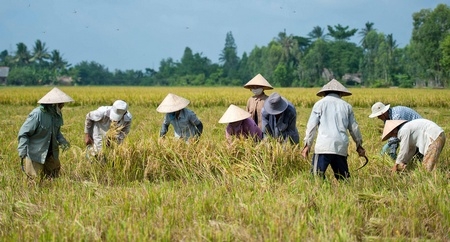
{"type": "Point", "coordinates": [286, 61]}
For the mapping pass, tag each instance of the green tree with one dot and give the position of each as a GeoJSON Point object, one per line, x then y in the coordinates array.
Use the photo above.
{"type": "Point", "coordinates": [57, 63]}
{"type": "Point", "coordinates": [40, 53]}
{"type": "Point", "coordinates": [5, 58]}
{"type": "Point", "coordinates": [229, 58]}
{"type": "Point", "coordinates": [339, 32]}
{"type": "Point", "coordinates": [445, 47]}
{"type": "Point", "coordinates": [430, 27]}
{"type": "Point", "coordinates": [316, 59]}
{"type": "Point", "coordinates": [92, 73]}
{"type": "Point", "coordinates": [364, 32]}
{"type": "Point", "coordinates": [345, 58]}
{"type": "Point", "coordinates": [318, 33]}
{"type": "Point", "coordinates": [22, 56]}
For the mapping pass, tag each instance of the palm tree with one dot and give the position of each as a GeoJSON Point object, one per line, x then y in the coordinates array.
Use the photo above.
{"type": "Point", "coordinates": [317, 33]}
{"type": "Point", "coordinates": [5, 58]}
{"type": "Point", "coordinates": [290, 47]}
{"type": "Point", "coordinates": [57, 63]}
{"type": "Point", "coordinates": [363, 33]}
{"type": "Point", "coordinates": [22, 56]}
{"type": "Point", "coordinates": [40, 52]}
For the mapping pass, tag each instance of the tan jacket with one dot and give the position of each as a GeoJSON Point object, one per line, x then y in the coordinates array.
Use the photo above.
{"type": "Point", "coordinates": [254, 106]}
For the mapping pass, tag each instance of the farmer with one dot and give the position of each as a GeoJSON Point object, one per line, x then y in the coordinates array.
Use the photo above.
{"type": "Point", "coordinates": [384, 113]}
{"type": "Point", "coordinates": [40, 136]}
{"type": "Point", "coordinates": [330, 118]}
{"type": "Point", "coordinates": [112, 122]}
{"type": "Point", "coordinates": [240, 124]}
{"type": "Point", "coordinates": [184, 121]}
{"type": "Point", "coordinates": [423, 134]}
{"type": "Point", "coordinates": [256, 102]}
{"type": "Point", "coordinates": [279, 119]}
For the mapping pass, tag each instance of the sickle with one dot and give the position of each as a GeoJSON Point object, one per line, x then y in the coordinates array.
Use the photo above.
{"type": "Point", "coordinates": [367, 161]}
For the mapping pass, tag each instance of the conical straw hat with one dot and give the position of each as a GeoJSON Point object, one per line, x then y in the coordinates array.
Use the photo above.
{"type": "Point", "coordinates": [378, 108]}
{"type": "Point", "coordinates": [55, 96]}
{"type": "Point", "coordinates": [259, 80]}
{"type": "Point", "coordinates": [234, 114]}
{"type": "Point", "coordinates": [172, 103]}
{"type": "Point", "coordinates": [390, 125]}
{"type": "Point", "coordinates": [334, 86]}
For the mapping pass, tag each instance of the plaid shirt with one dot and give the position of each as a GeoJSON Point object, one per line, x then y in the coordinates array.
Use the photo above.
{"type": "Point", "coordinates": [403, 113]}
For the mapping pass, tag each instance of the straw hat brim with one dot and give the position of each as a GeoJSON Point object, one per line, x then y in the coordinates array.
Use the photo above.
{"type": "Point", "coordinates": [389, 126]}
{"type": "Point", "coordinates": [380, 112]}
{"type": "Point", "coordinates": [333, 86]}
{"type": "Point", "coordinates": [234, 114]}
{"type": "Point", "coordinates": [259, 81]}
{"type": "Point", "coordinates": [172, 103]}
{"type": "Point", "coordinates": [55, 96]}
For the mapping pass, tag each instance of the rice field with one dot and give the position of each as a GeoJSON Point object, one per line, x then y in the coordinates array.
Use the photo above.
{"type": "Point", "coordinates": [166, 190]}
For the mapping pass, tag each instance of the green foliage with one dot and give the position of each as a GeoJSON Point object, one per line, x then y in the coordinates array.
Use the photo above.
{"type": "Point", "coordinates": [445, 47]}
{"type": "Point", "coordinates": [430, 29]}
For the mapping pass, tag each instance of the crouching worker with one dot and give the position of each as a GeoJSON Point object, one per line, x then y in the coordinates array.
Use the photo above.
{"type": "Point", "coordinates": [184, 121]}
{"type": "Point", "coordinates": [40, 136]}
{"type": "Point", "coordinates": [105, 125]}
{"type": "Point", "coordinates": [240, 124]}
{"type": "Point", "coordinates": [423, 134]}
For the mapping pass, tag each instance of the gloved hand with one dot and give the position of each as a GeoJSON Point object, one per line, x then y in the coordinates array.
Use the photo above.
{"type": "Point", "coordinates": [384, 149]}
{"type": "Point", "coordinates": [65, 146]}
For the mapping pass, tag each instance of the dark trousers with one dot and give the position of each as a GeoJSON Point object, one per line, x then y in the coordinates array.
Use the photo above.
{"type": "Point", "coordinates": [338, 163]}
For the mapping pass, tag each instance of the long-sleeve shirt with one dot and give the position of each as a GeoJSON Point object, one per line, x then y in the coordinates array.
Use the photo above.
{"type": "Point", "coordinates": [254, 107]}
{"type": "Point", "coordinates": [246, 128]}
{"type": "Point", "coordinates": [417, 133]}
{"type": "Point", "coordinates": [284, 128]}
{"type": "Point", "coordinates": [400, 113]}
{"type": "Point", "coordinates": [39, 134]}
{"type": "Point", "coordinates": [97, 124]}
{"type": "Point", "coordinates": [331, 117]}
{"type": "Point", "coordinates": [185, 125]}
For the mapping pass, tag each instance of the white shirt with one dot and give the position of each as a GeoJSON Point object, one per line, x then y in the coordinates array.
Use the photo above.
{"type": "Point", "coordinates": [418, 133]}
{"type": "Point", "coordinates": [331, 117]}
{"type": "Point", "coordinates": [97, 123]}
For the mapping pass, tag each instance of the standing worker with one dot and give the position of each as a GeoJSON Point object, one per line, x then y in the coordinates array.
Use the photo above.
{"type": "Point", "coordinates": [256, 102]}
{"type": "Point", "coordinates": [330, 118]}
{"type": "Point", "coordinates": [40, 136]}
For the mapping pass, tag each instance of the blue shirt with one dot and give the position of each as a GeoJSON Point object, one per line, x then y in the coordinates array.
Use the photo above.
{"type": "Point", "coordinates": [403, 113]}
{"type": "Point", "coordinates": [185, 126]}
{"type": "Point", "coordinates": [284, 128]}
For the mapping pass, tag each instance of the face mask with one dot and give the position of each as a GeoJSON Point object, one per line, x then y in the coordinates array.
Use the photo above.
{"type": "Point", "coordinates": [257, 91]}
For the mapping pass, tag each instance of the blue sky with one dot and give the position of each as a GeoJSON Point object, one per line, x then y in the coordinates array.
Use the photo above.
{"type": "Point", "coordinates": [138, 34]}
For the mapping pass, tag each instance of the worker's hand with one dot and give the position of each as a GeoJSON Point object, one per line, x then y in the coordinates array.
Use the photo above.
{"type": "Point", "coordinates": [398, 167]}
{"type": "Point", "coordinates": [88, 140]}
{"type": "Point", "coordinates": [65, 146]}
{"type": "Point", "coordinates": [384, 149]}
{"type": "Point", "coordinates": [361, 151]}
{"type": "Point", "coordinates": [305, 152]}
